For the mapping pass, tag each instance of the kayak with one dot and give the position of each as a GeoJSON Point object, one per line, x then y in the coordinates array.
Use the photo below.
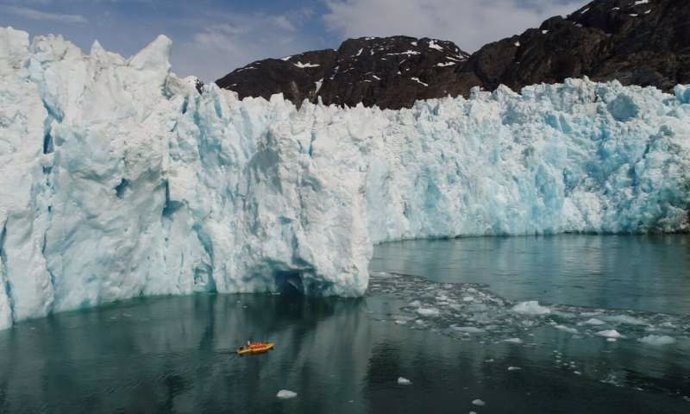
{"type": "Point", "coordinates": [255, 348]}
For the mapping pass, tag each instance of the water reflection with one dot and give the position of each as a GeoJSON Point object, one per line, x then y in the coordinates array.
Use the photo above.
{"type": "Point", "coordinates": [175, 355]}
{"type": "Point", "coordinates": [166, 355]}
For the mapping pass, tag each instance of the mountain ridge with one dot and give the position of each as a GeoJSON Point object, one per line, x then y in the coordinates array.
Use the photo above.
{"type": "Point", "coordinates": [640, 42]}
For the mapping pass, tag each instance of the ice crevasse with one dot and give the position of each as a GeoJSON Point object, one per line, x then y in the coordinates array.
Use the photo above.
{"type": "Point", "coordinates": [119, 179]}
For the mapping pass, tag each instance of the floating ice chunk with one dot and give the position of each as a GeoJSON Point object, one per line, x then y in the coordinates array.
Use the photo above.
{"type": "Point", "coordinates": [468, 329]}
{"type": "Point", "coordinates": [513, 340]}
{"type": "Point", "coordinates": [566, 329]}
{"type": "Point", "coordinates": [611, 339]}
{"type": "Point", "coordinates": [286, 394]}
{"type": "Point", "coordinates": [531, 308]}
{"type": "Point", "coordinates": [625, 319]}
{"type": "Point", "coordinates": [657, 340]}
{"type": "Point", "coordinates": [404, 381]}
{"type": "Point", "coordinates": [594, 321]}
{"type": "Point", "coordinates": [610, 333]}
{"type": "Point", "coordinates": [514, 368]}
{"type": "Point", "coordinates": [428, 311]}
{"type": "Point", "coordinates": [478, 402]}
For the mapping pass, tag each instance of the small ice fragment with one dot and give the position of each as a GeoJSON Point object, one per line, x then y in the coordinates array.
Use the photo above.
{"type": "Point", "coordinates": [566, 329]}
{"type": "Point", "coordinates": [577, 373]}
{"type": "Point", "coordinates": [531, 308]}
{"type": "Point", "coordinates": [285, 394]}
{"type": "Point", "coordinates": [513, 340]}
{"type": "Point", "coordinates": [468, 299]}
{"type": "Point", "coordinates": [468, 329]}
{"type": "Point", "coordinates": [609, 333]}
{"type": "Point", "coordinates": [404, 381]}
{"type": "Point", "coordinates": [657, 340]}
{"type": "Point", "coordinates": [593, 321]}
{"type": "Point", "coordinates": [514, 368]}
{"type": "Point", "coordinates": [478, 402]}
{"type": "Point", "coordinates": [625, 319]}
{"type": "Point", "coordinates": [428, 311]}
{"type": "Point", "coordinates": [611, 339]}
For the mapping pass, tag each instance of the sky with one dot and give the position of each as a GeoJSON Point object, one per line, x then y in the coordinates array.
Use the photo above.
{"type": "Point", "coordinates": [213, 37]}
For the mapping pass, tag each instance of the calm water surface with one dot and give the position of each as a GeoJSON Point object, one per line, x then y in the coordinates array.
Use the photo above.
{"type": "Point", "coordinates": [647, 273]}
{"type": "Point", "coordinates": [452, 332]}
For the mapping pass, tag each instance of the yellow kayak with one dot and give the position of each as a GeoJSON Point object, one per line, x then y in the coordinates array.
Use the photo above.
{"type": "Point", "coordinates": [255, 348]}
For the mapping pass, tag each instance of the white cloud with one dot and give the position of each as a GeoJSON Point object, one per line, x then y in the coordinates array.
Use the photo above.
{"type": "Point", "coordinates": [218, 49]}
{"type": "Point", "coordinates": [469, 23]}
{"type": "Point", "coordinates": [34, 14]}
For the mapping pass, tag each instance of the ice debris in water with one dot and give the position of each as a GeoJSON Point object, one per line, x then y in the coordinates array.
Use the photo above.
{"type": "Point", "coordinates": [495, 318]}
{"type": "Point", "coordinates": [404, 381]}
{"type": "Point", "coordinates": [286, 394]}
{"type": "Point", "coordinates": [625, 319]}
{"type": "Point", "coordinates": [531, 308]}
{"type": "Point", "coordinates": [514, 368]}
{"type": "Point", "coordinates": [468, 329]}
{"type": "Point", "coordinates": [657, 340]}
{"type": "Point", "coordinates": [428, 311]}
{"type": "Point", "coordinates": [114, 169]}
{"type": "Point", "coordinates": [566, 329]}
{"type": "Point", "coordinates": [610, 333]}
{"type": "Point", "coordinates": [594, 321]}
{"type": "Point", "coordinates": [478, 402]}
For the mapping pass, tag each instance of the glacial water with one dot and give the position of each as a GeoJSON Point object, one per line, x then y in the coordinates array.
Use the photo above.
{"type": "Point", "coordinates": [452, 317]}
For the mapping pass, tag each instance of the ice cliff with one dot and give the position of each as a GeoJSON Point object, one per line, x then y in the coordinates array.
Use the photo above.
{"type": "Point", "coordinates": [119, 179]}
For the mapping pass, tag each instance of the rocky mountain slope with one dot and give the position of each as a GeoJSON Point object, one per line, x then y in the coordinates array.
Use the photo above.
{"type": "Point", "coordinates": [642, 42]}
{"type": "Point", "coordinates": [390, 72]}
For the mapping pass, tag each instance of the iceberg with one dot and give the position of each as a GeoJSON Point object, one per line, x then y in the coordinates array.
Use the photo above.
{"type": "Point", "coordinates": [120, 179]}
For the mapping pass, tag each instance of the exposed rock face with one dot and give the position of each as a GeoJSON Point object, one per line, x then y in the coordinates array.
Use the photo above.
{"type": "Point", "coordinates": [390, 72]}
{"type": "Point", "coordinates": [643, 42]}
{"type": "Point", "coordinates": [295, 76]}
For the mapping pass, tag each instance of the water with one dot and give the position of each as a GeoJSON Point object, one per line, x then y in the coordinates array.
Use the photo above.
{"type": "Point", "coordinates": [345, 356]}
{"type": "Point", "coordinates": [647, 273]}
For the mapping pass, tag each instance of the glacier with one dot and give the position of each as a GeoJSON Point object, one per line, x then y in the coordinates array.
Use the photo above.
{"type": "Point", "coordinates": [119, 179]}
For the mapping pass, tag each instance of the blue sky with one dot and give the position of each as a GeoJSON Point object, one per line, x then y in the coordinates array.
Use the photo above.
{"type": "Point", "coordinates": [212, 37]}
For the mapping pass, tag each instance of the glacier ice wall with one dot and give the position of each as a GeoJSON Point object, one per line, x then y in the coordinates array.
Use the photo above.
{"type": "Point", "coordinates": [119, 179]}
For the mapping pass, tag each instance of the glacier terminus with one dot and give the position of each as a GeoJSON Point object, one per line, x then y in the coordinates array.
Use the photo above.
{"type": "Point", "coordinates": [119, 179]}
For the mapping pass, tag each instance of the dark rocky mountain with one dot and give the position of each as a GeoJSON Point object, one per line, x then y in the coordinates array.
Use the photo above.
{"type": "Point", "coordinates": [390, 72]}
{"type": "Point", "coordinates": [642, 42]}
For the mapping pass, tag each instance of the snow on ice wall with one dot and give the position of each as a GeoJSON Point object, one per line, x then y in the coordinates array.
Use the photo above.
{"type": "Point", "coordinates": [118, 179]}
